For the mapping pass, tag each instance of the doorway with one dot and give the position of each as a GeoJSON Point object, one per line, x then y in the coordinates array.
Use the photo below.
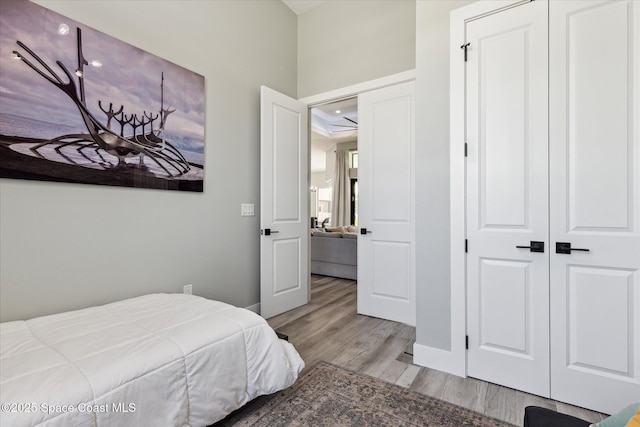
{"type": "Point", "coordinates": [333, 143]}
{"type": "Point", "coordinates": [383, 241]}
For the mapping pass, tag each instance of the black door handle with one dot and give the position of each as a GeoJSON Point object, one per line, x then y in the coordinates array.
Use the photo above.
{"type": "Point", "coordinates": [565, 248]}
{"type": "Point", "coordinates": [364, 231]}
{"type": "Point", "coordinates": [533, 246]}
{"type": "Point", "coordinates": [268, 232]}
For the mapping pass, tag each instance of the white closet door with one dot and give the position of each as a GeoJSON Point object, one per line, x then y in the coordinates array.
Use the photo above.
{"type": "Point", "coordinates": [507, 198]}
{"type": "Point", "coordinates": [595, 192]}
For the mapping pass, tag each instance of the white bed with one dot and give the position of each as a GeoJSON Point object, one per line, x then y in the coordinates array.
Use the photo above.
{"type": "Point", "coordinates": [156, 360]}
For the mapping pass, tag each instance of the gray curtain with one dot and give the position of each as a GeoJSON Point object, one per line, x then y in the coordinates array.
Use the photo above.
{"type": "Point", "coordinates": [341, 200]}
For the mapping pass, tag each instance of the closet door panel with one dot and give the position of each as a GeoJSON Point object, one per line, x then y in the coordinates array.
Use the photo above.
{"type": "Point", "coordinates": [592, 290]}
{"type": "Point", "coordinates": [594, 206]}
{"type": "Point", "coordinates": [600, 120]}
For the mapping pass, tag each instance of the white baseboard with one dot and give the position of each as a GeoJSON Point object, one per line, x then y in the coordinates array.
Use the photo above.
{"type": "Point", "coordinates": [438, 359]}
{"type": "Point", "coordinates": [255, 308]}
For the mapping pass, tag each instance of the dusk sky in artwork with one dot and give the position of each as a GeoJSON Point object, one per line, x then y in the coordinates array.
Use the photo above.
{"type": "Point", "coordinates": [128, 76]}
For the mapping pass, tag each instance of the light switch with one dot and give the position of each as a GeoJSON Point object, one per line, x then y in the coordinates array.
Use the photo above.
{"type": "Point", "coordinates": [247, 209]}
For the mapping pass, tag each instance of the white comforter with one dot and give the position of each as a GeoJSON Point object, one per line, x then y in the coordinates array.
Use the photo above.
{"type": "Point", "coordinates": [154, 360]}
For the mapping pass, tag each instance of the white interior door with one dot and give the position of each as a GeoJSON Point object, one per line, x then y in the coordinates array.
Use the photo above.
{"type": "Point", "coordinates": [284, 216]}
{"type": "Point", "coordinates": [507, 199]}
{"type": "Point", "coordinates": [386, 246]}
{"type": "Point", "coordinates": [595, 192]}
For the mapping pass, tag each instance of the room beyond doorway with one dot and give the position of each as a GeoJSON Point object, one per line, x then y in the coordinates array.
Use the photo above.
{"type": "Point", "coordinates": [334, 163]}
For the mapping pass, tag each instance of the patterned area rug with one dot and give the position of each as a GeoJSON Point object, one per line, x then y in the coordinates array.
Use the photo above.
{"type": "Point", "coordinates": [328, 395]}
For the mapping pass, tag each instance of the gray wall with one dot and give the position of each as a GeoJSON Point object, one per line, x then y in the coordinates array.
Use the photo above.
{"type": "Point", "coordinates": [341, 43]}
{"type": "Point", "coordinates": [433, 282]}
{"type": "Point", "coordinates": [66, 246]}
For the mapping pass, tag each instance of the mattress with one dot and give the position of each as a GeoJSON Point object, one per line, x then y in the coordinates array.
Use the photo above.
{"type": "Point", "coordinates": [157, 360]}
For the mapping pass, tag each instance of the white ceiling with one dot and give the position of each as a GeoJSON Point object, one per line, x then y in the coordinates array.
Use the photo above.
{"type": "Point", "coordinates": [336, 120]}
{"type": "Point", "coordinates": [301, 6]}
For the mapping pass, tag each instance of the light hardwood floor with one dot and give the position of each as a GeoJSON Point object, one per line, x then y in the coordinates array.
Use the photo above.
{"type": "Point", "coordinates": [329, 329]}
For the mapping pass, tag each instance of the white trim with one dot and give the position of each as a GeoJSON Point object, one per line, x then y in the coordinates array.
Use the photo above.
{"type": "Point", "coordinates": [255, 308]}
{"type": "Point", "coordinates": [349, 91]}
{"type": "Point", "coordinates": [441, 360]}
{"type": "Point", "coordinates": [457, 193]}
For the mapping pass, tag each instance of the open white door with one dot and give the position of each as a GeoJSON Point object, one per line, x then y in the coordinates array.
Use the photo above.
{"type": "Point", "coordinates": [284, 219]}
{"type": "Point", "coordinates": [386, 244]}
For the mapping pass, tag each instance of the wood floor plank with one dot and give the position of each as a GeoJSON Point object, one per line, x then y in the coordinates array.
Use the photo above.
{"type": "Point", "coordinates": [430, 382]}
{"type": "Point", "coordinates": [318, 319]}
{"type": "Point", "coordinates": [585, 414]}
{"type": "Point", "coordinates": [406, 331]}
{"type": "Point", "coordinates": [526, 399]}
{"type": "Point", "coordinates": [500, 402]}
{"type": "Point", "coordinates": [390, 372]}
{"type": "Point", "coordinates": [383, 355]}
{"type": "Point", "coordinates": [329, 296]}
{"type": "Point", "coordinates": [355, 347]}
{"type": "Point", "coordinates": [467, 392]}
{"type": "Point", "coordinates": [329, 329]}
{"type": "Point", "coordinates": [408, 376]}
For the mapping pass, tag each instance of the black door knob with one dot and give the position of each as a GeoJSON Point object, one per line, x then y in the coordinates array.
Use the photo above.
{"type": "Point", "coordinates": [565, 248]}
{"type": "Point", "coordinates": [534, 246]}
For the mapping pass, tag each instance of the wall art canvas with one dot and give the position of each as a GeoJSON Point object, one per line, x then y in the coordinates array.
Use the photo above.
{"type": "Point", "coordinates": [77, 105]}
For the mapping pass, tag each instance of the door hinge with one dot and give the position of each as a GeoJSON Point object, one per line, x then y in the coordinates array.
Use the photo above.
{"type": "Point", "coordinates": [466, 342]}
{"type": "Point", "coordinates": [465, 46]}
{"type": "Point", "coordinates": [465, 149]}
{"type": "Point", "coordinates": [466, 246]}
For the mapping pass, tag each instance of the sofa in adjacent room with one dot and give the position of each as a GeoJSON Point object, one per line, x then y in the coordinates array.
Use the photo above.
{"type": "Point", "coordinates": [334, 254]}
